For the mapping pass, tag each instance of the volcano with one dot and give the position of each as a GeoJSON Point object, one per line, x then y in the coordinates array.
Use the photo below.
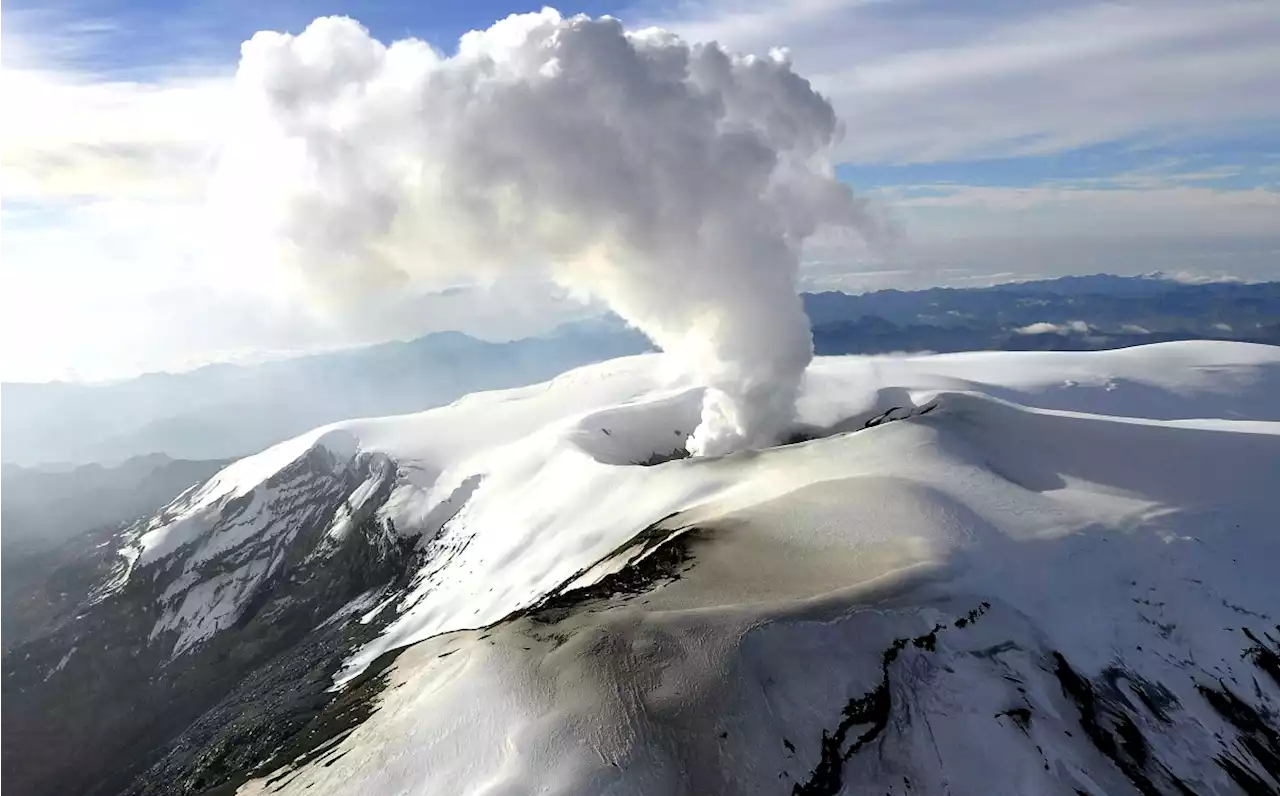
{"type": "Point", "coordinates": [968, 573]}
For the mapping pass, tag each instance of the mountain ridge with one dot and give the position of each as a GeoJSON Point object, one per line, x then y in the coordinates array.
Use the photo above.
{"type": "Point", "coordinates": [222, 411]}
{"type": "Point", "coordinates": [944, 527]}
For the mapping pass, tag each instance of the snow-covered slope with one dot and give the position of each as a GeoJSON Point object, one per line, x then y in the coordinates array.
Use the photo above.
{"type": "Point", "coordinates": [1053, 573]}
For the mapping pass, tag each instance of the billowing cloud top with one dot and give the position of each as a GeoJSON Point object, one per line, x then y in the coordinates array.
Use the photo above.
{"type": "Point", "coordinates": [675, 182]}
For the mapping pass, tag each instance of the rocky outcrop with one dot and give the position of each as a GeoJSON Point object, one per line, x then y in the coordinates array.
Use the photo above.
{"type": "Point", "coordinates": [196, 665]}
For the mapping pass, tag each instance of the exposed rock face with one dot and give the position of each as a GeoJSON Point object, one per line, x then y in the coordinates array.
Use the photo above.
{"type": "Point", "coordinates": [207, 658]}
{"type": "Point", "coordinates": [58, 528]}
{"type": "Point", "coordinates": [934, 590]}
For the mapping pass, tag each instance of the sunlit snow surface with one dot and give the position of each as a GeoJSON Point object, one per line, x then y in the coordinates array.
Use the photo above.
{"type": "Point", "coordinates": [1114, 506]}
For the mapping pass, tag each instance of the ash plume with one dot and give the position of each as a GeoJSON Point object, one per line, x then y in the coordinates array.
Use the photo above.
{"type": "Point", "coordinates": [676, 182]}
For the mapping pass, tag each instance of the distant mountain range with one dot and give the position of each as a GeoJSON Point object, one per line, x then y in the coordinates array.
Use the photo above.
{"type": "Point", "coordinates": [223, 411]}
{"type": "Point", "coordinates": [1076, 313]}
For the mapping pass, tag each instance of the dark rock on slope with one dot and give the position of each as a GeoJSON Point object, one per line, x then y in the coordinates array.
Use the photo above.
{"type": "Point", "coordinates": [141, 710]}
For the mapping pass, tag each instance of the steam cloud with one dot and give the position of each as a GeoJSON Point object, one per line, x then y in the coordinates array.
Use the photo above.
{"type": "Point", "coordinates": [675, 182]}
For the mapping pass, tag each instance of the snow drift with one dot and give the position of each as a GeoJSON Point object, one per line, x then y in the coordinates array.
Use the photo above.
{"type": "Point", "coordinates": [677, 182]}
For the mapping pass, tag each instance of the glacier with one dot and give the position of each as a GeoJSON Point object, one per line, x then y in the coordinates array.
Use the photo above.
{"type": "Point", "coordinates": [991, 572]}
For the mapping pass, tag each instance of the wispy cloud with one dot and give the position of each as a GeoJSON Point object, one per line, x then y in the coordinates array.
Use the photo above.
{"type": "Point", "coordinates": [1170, 211]}
{"type": "Point", "coordinates": [111, 125]}
{"type": "Point", "coordinates": [74, 131]}
{"type": "Point", "coordinates": [935, 81]}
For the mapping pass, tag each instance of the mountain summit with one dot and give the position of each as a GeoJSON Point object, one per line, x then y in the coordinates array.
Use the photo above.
{"type": "Point", "coordinates": [1054, 566]}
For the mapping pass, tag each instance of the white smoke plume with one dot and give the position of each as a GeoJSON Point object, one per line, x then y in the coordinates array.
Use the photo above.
{"type": "Point", "coordinates": [675, 182]}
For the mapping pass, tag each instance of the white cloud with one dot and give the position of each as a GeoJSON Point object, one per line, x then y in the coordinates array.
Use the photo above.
{"type": "Point", "coordinates": [1179, 211]}
{"type": "Point", "coordinates": [1078, 327]}
{"type": "Point", "coordinates": [107, 302]}
{"type": "Point", "coordinates": [676, 183]}
{"type": "Point", "coordinates": [108, 261]}
{"type": "Point", "coordinates": [751, 25]}
{"type": "Point", "coordinates": [71, 131]}
{"type": "Point", "coordinates": [922, 82]}
{"type": "Point", "coordinates": [104, 176]}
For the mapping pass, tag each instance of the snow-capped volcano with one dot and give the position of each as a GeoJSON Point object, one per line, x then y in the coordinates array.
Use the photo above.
{"type": "Point", "coordinates": [975, 573]}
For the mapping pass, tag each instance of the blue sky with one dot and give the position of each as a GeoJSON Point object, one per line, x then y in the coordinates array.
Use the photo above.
{"type": "Point", "coordinates": [1001, 139]}
{"type": "Point", "coordinates": [147, 38]}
